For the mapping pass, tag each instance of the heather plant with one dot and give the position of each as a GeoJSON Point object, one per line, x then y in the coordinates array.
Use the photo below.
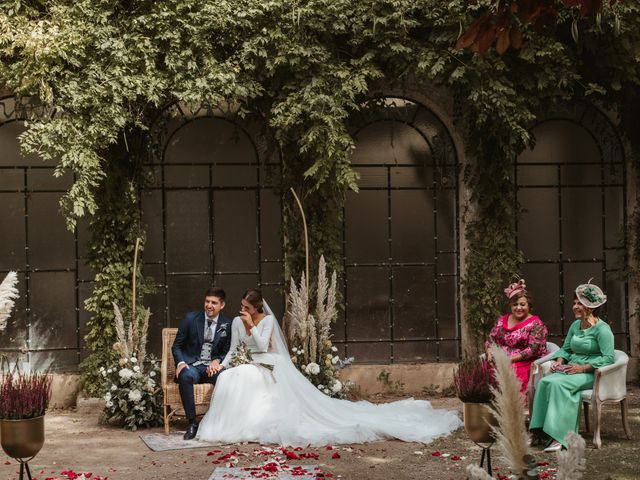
{"type": "Point", "coordinates": [473, 380]}
{"type": "Point", "coordinates": [24, 395]}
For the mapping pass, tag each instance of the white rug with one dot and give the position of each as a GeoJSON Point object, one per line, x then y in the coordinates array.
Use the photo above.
{"type": "Point", "coordinates": [239, 473]}
{"type": "Point", "coordinates": [159, 442]}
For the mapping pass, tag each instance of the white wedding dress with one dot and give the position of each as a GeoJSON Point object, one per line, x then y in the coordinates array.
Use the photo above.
{"type": "Point", "coordinates": [253, 404]}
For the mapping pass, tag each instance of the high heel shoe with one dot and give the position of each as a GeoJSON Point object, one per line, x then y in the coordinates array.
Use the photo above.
{"type": "Point", "coordinates": [554, 447]}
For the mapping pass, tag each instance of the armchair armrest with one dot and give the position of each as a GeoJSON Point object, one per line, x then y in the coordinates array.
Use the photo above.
{"type": "Point", "coordinates": [543, 359]}
{"type": "Point", "coordinates": [610, 382]}
{"type": "Point", "coordinates": [611, 368]}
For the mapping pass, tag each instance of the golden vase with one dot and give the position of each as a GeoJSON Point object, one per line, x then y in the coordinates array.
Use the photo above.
{"type": "Point", "coordinates": [478, 421]}
{"type": "Point", "coordinates": [22, 439]}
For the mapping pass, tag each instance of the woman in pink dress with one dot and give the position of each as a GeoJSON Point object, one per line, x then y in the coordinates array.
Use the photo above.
{"type": "Point", "coordinates": [519, 333]}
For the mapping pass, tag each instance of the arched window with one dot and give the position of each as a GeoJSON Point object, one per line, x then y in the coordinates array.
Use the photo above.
{"type": "Point", "coordinates": [572, 188]}
{"type": "Point", "coordinates": [401, 254]}
{"type": "Point", "coordinates": [212, 214]}
{"type": "Point", "coordinates": [46, 322]}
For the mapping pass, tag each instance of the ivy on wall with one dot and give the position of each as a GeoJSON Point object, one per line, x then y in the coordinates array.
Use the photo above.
{"type": "Point", "coordinates": [304, 67]}
{"type": "Point", "coordinates": [113, 237]}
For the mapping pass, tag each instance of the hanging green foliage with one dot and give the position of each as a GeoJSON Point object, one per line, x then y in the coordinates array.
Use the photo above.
{"type": "Point", "coordinates": [304, 67]}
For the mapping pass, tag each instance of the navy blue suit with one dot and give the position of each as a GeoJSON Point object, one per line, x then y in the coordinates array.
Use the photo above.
{"type": "Point", "coordinates": [187, 347]}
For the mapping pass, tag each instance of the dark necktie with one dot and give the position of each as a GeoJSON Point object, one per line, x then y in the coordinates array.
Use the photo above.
{"type": "Point", "coordinates": [208, 337]}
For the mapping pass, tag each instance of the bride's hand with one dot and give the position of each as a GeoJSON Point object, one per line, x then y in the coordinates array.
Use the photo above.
{"type": "Point", "coordinates": [247, 320]}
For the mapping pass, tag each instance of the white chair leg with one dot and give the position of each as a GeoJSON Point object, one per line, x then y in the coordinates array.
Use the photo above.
{"type": "Point", "coordinates": [597, 442]}
{"type": "Point", "coordinates": [165, 408]}
{"type": "Point", "coordinates": [625, 422]}
{"type": "Point", "coordinates": [585, 407]}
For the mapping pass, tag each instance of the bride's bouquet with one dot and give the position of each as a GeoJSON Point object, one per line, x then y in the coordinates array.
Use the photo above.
{"type": "Point", "coordinates": [242, 355]}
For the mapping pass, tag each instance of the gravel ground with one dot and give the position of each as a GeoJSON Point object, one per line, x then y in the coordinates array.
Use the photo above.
{"type": "Point", "coordinates": [76, 443]}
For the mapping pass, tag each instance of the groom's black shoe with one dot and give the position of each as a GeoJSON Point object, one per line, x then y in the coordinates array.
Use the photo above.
{"type": "Point", "coordinates": [192, 429]}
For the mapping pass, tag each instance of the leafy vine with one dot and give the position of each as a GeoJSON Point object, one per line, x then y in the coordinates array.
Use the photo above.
{"type": "Point", "coordinates": [304, 67]}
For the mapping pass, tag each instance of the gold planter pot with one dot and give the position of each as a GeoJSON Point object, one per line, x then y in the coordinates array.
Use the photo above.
{"type": "Point", "coordinates": [478, 421]}
{"type": "Point", "coordinates": [22, 439]}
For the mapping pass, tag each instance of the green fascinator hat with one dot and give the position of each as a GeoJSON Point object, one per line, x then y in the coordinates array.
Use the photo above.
{"type": "Point", "coordinates": [589, 295]}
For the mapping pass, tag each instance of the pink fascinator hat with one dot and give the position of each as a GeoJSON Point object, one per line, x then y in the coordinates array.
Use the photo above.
{"type": "Point", "coordinates": [515, 288]}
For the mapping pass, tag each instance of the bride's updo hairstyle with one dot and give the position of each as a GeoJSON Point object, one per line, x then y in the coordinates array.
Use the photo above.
{"type": "Point", "coordinates": [254, 297]}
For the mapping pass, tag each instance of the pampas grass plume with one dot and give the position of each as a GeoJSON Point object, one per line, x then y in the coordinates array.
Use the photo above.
{"type": "Point", "coordinates": [121, 331]}
{"type": "Point", "coordinates": [571, 463]}
{"type": "Point", "coordinates": [8, 293]}
{"type": "Point", "coordinates": [477, 473]}
{"type": "Point", "coordinates": [511, 433]}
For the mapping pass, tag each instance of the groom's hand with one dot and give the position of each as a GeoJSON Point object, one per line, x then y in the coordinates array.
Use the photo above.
{"type": "Point", "coordinates": [179, 368]}
{"type": "Point", "coordinates": [214, 367]}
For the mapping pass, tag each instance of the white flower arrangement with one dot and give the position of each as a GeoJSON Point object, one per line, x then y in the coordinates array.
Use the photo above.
{"type": "Point", "coordinates": [135, 395]}
{"type": "Point", "coordinates": [336, 386]}
{"type": "Point", "coordinates": [313, 368]}
{"type": "Point", "coordinates": [132, 395]}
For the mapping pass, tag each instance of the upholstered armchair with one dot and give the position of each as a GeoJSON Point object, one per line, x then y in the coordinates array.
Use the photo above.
{"type": "Point", "coordinates": [539, 368]}
{"type": "Point", "coordinates": [609, 386]}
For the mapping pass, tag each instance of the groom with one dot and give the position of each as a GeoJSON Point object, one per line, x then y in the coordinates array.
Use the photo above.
{"type": "Point", "coordinates": [202, 342]}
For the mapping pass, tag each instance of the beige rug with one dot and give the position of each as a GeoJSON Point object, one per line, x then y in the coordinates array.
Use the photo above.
{"type": "Point", "coordinates": [159, 442]}
{"type": "Point", "coordinates": [238, 473]}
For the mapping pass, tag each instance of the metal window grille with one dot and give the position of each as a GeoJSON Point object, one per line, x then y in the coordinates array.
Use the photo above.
{"type": "Point", "coordinates": [572, 187]}
{"type": "Point", "coordinates": [45, 328]}
{"type": "Point", "coordinates": [212, 214]}
{"type": "Point", "coordinates": [401, 240]}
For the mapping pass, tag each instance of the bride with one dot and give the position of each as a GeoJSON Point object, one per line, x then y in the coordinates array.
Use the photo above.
{"type": "Point", "coordinates": [252, 403]}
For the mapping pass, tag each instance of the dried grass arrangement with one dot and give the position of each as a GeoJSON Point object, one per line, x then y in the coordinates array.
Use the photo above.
{"type": "Point", "coordinates": [512, 438]}
{"type": "Point", "coordinates": [132, 339]}
{"type": "Point", "coordinates": [8, 293]}
{"type": "Point", "coordinates": [571, 463]}
{"type": "Point", "coordinates": [308, 331]}
{"type": "Point", "coordinates": [132, 393]}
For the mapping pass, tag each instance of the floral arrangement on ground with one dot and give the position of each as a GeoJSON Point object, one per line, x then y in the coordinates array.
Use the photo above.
{"type": "Point", "coordinates": [309, 333]}
{"type": "Point", "coordinates": [132, 395]}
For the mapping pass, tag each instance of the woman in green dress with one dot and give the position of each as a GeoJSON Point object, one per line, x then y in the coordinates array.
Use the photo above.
{"type": "Point", "coordinates": [588, 346]}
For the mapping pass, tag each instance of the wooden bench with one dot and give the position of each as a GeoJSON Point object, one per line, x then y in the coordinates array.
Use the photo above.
{"type": "Point", "coordinates": [172, 404]}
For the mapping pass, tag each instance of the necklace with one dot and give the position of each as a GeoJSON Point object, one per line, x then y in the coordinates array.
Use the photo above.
{"type": "Point", "coordinates": [586, 323]}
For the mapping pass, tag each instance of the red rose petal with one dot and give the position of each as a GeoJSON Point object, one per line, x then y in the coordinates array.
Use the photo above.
{"type": "Point", "coordinates": [436, 454]}
{"type": "Point", "coordinates": [335, 455]}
